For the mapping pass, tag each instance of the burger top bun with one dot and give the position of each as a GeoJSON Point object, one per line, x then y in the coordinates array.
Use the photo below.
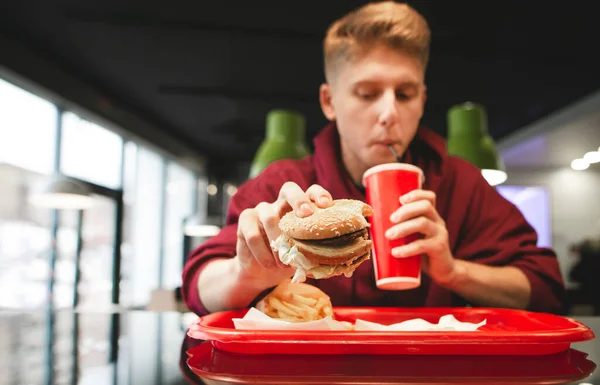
{"type": "Point", "coordinates": [343, 217]}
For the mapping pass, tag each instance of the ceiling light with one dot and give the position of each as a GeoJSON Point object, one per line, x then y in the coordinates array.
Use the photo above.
{"type": "Point", "coordinates": [592, 157]}
{"type": "Point", "coordinates": [579, 164]}
{"type": "Point", "coordinates": [231, 190]}
{"type": "Point", "coordinates": [62, 193]}
{"type": "Point", "coordinates": [494, 177]}
{"type": "Point", "coordinates": [212, 189]}
{"type": "Point", "coordinates": [195, 226]}
{"type": "Point", "coordinates": [201, 230]}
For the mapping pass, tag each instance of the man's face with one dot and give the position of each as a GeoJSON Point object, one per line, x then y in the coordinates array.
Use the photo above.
{"type": "Point", "coordinates": [376, 101]}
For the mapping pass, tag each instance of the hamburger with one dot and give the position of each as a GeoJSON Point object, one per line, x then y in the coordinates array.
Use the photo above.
{"type": "Point", "coordinates": [296, 302]}
{"type": "Point", "coordinates": [331, 241]}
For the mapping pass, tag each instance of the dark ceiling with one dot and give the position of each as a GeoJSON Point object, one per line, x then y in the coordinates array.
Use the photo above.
{"type": "Point", "coordinates": [207, 72]}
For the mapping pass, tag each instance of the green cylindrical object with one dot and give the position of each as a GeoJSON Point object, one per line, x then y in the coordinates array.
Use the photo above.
{"type": "Point", "coordinates": [468, 136]}
{"type": "Point", "coordinates": [467, 119]}
{"type": "Point", "coordinates": [285, 139]}
{"type": "Point", "coordinates": [467, 125]}
{"type": "Point", "coordinates": [489, 158]}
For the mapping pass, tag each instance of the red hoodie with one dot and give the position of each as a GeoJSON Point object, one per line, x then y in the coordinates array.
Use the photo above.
{"type": "Point", "coordinates": [483, 227]}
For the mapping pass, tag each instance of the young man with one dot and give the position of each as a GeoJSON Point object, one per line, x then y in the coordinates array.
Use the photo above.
{"type": "Point", "coordinates": [477, 248]}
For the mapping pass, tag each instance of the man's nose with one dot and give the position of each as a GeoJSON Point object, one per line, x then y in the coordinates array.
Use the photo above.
{"type": "Point", "coordinates": [388, 109]}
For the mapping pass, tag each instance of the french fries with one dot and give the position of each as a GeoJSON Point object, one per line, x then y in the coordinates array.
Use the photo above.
{"type": "Point", "coordinates": [296, 302]}
{"type": "Point", "coordinates": [304, 300]}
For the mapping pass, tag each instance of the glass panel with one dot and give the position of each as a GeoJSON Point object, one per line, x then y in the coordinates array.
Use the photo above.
{"type": "Point", "coordinates": [27, 129]}
{"type": "Point", "coordinates": [143, 200]}
{"type": "Point", "coordinates": [129, 191]}
{"type": "Point", "coordinates": [90, 152]}
{"type": "Point", "coordinates": [64, 273]}
{"type": "Point", "coordinates": [96, 259]}
{"type": "Point", "coordinates": [97, 231]}
{"type": "Point", "coordinates": [25, 241]}
{"type": "Point", "coordinates": [181, 193]}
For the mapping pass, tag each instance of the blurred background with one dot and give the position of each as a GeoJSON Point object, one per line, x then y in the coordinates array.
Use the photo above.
{"type": "Point", "coordinates": [150, 114]}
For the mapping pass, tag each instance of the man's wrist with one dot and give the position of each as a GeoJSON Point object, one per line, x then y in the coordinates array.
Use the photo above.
{"type": "Point", "coordinates": [246, 279]}
{"type": "Point", "coordinates": [458, 276]}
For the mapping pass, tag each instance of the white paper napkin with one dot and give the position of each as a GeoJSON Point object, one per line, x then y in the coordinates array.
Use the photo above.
{"type": "Point", "coordinates": [257, 320]}
{"type": "Point", "coordinates": [446, 323]}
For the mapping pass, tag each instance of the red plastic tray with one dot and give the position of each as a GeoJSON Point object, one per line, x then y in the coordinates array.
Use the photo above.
{"type": "Point", "coordinates": [507, 332]}
{"type": "Point", "coordinates": [210, 363]}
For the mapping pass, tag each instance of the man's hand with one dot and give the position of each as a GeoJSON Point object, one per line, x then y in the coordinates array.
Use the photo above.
{"type": "Point", "coordinates": [497, 286]}
{"type": "Point", "coordinates": [259, 226]}
{"type": "Point", "coordinates": [418, 215]}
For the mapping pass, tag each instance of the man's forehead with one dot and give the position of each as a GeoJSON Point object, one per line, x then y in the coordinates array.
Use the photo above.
{"type": "Point", "coordinates": [382, 65]}
{"type": "Point", "coordinates": [401, 80]}
{"type": "Point", "coordinates": [380, 76]}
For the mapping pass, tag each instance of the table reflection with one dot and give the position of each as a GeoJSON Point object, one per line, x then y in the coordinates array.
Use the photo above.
{"type": "Point", "coordinates": [223, 367]}
{"type": "Point", "coordinates": [144, 347]}
{"type": "Point", "coordinates": [91, 347]}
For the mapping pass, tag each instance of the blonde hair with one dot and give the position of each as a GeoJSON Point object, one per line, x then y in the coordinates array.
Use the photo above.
{"type": "Point", "coordinates": [394, 25]}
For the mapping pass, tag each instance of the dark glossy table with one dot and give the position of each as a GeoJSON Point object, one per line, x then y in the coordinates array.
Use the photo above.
{"type": "Point", "coordinates": [95, 348]}
{"type": "Point", "coordinates": [139, 347]}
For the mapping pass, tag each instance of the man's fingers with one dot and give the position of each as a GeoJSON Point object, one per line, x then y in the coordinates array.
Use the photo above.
{"type": "Point", "coordinates": [297, 199]}
{"type": "Point", "coordinates": [417, 247]}
{"type": "Point", "coordinates": [251, 232]}
{"type": "Point", "coordinates": [415, 209]}
{"type": "Point", "coordinates": [419, 225]}
{"type": "Point", "coordinates": [244, 254]}
{"type": "Point", "coordinates": [269, 219]}
{"type": "Point", "coordinates": [417, 195]}
{"type": "Point", "coordinates": [319, 195]}
{"type": "Point", "coordinates": [260, 249]}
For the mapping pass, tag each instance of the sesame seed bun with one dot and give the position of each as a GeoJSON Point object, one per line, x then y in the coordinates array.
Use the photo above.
{"type": "Point", "coordinates": [343, 217]}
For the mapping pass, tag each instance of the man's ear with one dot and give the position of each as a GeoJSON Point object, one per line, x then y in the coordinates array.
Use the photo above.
{"type": "Point", "coordinates": [325, 98]}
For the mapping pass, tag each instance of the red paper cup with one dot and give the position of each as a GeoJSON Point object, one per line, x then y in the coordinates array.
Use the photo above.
{"type": "Point", "coordinates": [384, 185]}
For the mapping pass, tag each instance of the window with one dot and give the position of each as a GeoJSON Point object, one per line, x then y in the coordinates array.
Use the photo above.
{"type": "Point", "coordinates": [158, 196]}
{"type": "Point", "coordinates": [90, 152]}
{"type": "Point", "coordinates": [534, 203]}
{"type": "Point", "coordinates": [27, 150]}
{"type": "Point", "coordinates": [27, 129]}
{"type": "Point", "coordinates": [142, 227]}
{"type": "Point", "coordinates": [181, 185]}
{"type": "Point", "coordinates": [25, 242]}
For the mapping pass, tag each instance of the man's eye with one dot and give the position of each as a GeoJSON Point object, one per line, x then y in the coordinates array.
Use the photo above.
{"type": "Point", "coordinates": [402, 96]}
{"type": "Point", "coordinates": [367, 95]}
